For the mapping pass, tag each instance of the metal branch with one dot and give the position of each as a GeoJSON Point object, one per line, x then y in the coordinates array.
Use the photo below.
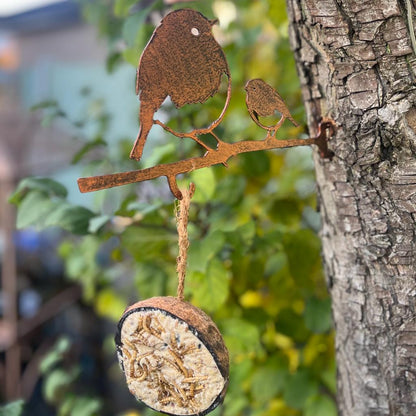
{"type": "Point", "coordinates": [220, 155]}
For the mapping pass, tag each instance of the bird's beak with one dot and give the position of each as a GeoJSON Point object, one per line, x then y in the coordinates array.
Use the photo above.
{"type": "Point", "coordinates": [213, 22]}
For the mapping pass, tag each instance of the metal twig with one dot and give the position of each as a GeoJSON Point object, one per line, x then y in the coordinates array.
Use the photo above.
{"type": "Point", "coordinates": [221, 155]}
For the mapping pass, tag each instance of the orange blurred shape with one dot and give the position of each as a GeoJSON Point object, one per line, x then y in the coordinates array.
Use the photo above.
{"type": "Point", "coordinates": [9, 59]}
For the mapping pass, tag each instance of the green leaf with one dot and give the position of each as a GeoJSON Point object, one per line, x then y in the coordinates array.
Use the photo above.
{"type": "Point", "coordinates": [112, 61]}
{"type": "Point", "coordinates": [133, 30]}
{"type": "Point", "coordinates": [241, 337]}
{"type": "Point", "coordinates": [75, 219]}
{"type": "Point", "coordinates": [235, 405]}
{"type": "Point", "coordinates": [278, 14]}
{"type": "Point", "coordinates": [49, 117]}
{"type": "Point", "coordinates": [143, 208]}
{"type": "Point", "coordinates": [150, 280]}
{"type": "Point", "coordinates": [45, 185]}
{"type": "Point", "coordinates": [231, 189]}
{"type": "Point", "coordinates": [122, 7]}
{"type": "Point", "coordinates": [267, 382]}
{"type": "Point", "coordinates": [54, 356]}
{"type": "Point", "coordinates": [292, 324]}
{"type": "Point", "coordinates": [287, 211]}
{"type": "Point", "coordinates": [144, 243]}
{"type": "Point", "coordinates": [87, 148]}
{"type": "Point", "coordinates": [159, 153]}
{"type": "Point", "coordinates": [85, 406]}
{"type": "Point", "coordinates": [12, 409]}
{"type": "Point", "coordinates": [67, 405]}
{"type": "Point", "coordinates": [275, 263]}
{"type": "Point", "coordinates": [34, 209]}
{"type": "Point", "coordinates": [57, 383]}
{"type": "Point", "coordinates": [247, 232]}
{"type": "Point", "coordinates": [210, 290]}
{"type": "Point", "coordinates": [329, 377]}
{"type": "Point", "coordinates": [131, 27]}
{"type": "Point", "coordinates": [81, 264]}
{"type": "Point", "coordinates": [109, 304]}
{"type": "Point", "coordinates": [298, 388]}
{"type": "Point", "coordinates": [96, 223]}
{"type": "Point", "coordinates": [240, 372]}
{"type": "Point", "coordinates": [77, 405]}
{"type": "Point", "coordinates": [205, 185]}
{"type": "Point", "coordinates": [202, 251]}
{"type": "Point", "coordinates": [131, 56]}
{"type": "Point", "coordinates": [44, 104]}
{"type": "Point", "coordinates": [318, 316]}
{"type": "Point", "coordinates": [303, 252]}
{"type": "Point", "coordinates": [218, 411]}
{"type": "Point", "coordinates": [320, 405]}
{"type": "Point", "coordinates": [255, 164]}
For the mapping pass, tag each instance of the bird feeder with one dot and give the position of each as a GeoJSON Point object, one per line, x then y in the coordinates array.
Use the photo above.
{"type": "Point", "coordinates": [172, 354]}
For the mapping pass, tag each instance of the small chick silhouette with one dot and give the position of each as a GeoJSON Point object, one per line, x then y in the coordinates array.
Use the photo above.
{"type": "Point", "coordinates": [181, 60]}
{"type": "Point", "coordinates": [263, 100]}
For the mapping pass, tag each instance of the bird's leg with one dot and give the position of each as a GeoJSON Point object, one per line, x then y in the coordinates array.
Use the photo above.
{"type": "Point", "coordinates": [199, 141]}
{"type": "Point", "coordinates": [218, 142]}
{"type": "Point", "coordinates": [279, 123]}
{"type": "Point", "coordinates": [192, 135]}
{"type": "Point", "coordinates": [216, 138]}
{"type": "Point", "coordinates": [272, 131]}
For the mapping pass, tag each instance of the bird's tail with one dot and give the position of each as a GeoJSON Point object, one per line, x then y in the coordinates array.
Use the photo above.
{"type": "Point", "coordinates": [137, 150]}
{"type": "Point", "coordinates": [146, 123]}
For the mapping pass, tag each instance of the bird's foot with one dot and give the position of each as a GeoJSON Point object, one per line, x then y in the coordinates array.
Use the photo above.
{"type": "Point", "coordinates": [201, 143]}
{"type": "Point", "coordinates": [279, 124]}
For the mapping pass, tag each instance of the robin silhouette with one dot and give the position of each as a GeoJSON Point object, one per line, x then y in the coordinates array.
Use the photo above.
{"type": "Point", "coordinates": [263, 100]}
{"type": "Point", "coordinates": [181, 60]}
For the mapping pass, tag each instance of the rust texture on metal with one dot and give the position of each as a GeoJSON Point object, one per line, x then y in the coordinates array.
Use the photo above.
{"type": "Point", "coordinates": [263, 100]}
{"type": "Point", "coordinates": [221, 154]}
{"type": "Point", "coordinates": [184, 61]}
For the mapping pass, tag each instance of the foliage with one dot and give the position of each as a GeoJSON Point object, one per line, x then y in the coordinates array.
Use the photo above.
{"type": "Point", "coordinates": [59, 378]}
{"type": "Point", "coordinates": [42, 203]}
{"type": "Point", "coordinates": [12, 409]}
{"type": "Point", "coordinates": [254, 259]}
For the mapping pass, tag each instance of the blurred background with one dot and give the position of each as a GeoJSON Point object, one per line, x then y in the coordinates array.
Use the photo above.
{"type": "Point", "coordinates": [72, 262]}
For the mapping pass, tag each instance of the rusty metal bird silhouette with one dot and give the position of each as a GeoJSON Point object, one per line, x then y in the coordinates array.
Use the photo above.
{"type": "Point", "coordinates": [263, 100]}
{"type": "Point", "coordinates": [181, 60]}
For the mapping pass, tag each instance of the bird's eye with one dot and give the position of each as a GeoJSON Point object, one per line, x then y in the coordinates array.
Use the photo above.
{"type": "Point", "coordinates": [195, 31]}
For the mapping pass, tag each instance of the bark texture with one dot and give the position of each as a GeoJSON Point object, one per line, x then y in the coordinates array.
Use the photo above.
{"type": "Point", "coordinates": [356, 65]}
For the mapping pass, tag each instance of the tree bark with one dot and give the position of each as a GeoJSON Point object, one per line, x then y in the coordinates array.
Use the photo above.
{"type": "Point", "coordinates": [356, 64]}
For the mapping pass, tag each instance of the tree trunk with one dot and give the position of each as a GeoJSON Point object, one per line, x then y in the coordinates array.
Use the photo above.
{"type": "Point", "coordinates": [357, 66]}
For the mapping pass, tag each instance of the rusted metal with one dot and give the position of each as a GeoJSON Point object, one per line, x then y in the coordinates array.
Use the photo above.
{"type": "Point", "coordinates": [183, 60]}
{"type": "Point", "coordinates": [263, 100]}
{"type": "Point", "coordinates": [220, 155]}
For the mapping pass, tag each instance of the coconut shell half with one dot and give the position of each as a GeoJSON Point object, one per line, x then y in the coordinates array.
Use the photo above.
{"type": "Point", "coordinates": [173, 356]}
